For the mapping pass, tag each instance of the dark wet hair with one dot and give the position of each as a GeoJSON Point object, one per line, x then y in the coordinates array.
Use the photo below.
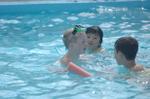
{"type": "Point", "coordinates": [95, 30]}
{"type": "Point", "coordinates": [128, 46]}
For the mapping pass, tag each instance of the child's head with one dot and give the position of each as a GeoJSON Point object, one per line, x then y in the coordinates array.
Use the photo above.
{"type": "Point", "coordinates": [94, 36]}
{"type": "Point", "coordinates": [75, 43]}
{"type": "Point", "coordinates": [125, 48]}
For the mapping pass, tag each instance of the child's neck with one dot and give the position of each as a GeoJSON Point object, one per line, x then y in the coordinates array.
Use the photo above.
{"type": "Point", "coordinates": [130, 64]}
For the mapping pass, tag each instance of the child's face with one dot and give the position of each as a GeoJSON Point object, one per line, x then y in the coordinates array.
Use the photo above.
{"type": "Point", "coordinates": [78, 43]}
{"type": "Point", "coordinates": [93, 40]}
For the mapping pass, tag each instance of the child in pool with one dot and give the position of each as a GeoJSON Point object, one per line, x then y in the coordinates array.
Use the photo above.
{"type": "Point", "coordinates": [75, 42]}
{"type": "Point", "coordinates": [126, 49]}
{"type": "Point", "coordinates": [125, 52]}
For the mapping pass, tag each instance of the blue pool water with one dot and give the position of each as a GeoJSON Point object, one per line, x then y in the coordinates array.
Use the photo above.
{"type": "Point", "coordinates": [31, 43]}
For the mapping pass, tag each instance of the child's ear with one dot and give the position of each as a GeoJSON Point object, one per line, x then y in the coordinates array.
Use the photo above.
{"type": "Point", "coordinates": [121, 55]}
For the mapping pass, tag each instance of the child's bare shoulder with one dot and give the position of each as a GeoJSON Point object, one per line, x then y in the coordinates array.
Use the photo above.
{"type": "Point", "coordinates": [138, 68]}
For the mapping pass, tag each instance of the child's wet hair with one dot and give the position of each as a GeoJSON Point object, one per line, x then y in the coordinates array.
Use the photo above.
{"type": "Point", "coordinates": [95, 30]}
{"type": "Point", "coordinates": [128, 46]}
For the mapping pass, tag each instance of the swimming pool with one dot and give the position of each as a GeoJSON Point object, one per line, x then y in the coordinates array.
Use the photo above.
{"type": "Point", "coordinates": [30, 43]}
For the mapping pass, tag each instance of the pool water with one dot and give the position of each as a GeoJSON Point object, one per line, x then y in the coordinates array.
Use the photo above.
{"type": "Point", "coordinates": [31, 43]}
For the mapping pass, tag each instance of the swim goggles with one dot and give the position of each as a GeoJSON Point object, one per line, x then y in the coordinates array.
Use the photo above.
{"type": "Point", "coordinates": [77, 29]}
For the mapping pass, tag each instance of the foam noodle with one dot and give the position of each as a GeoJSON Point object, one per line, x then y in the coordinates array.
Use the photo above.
{"type": "Point", "coordinates": [80, 71]}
